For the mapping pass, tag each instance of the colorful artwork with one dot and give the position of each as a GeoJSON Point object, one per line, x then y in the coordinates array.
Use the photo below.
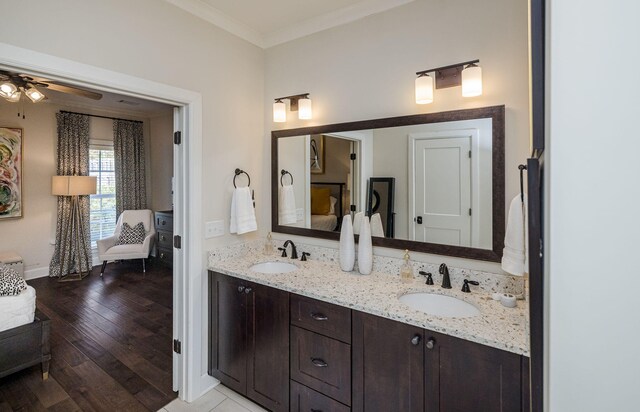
{"type": "Point", "coordinates": [10, 173]}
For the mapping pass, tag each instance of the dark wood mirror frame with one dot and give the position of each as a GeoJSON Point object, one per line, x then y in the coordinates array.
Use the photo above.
{"type": "Point", "coordinates": [496, 113]}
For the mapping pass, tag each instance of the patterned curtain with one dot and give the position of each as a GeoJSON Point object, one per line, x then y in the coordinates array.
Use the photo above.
{"type": "Point", "coordinates": [73, 159]}
{"type": "Point", "coordinates": [128, 151]}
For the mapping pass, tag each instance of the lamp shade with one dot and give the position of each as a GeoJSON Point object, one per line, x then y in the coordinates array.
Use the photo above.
{"type": "Point", "coordinates": [279, 112]}
{"type": "Point", "coordinates": [73, 185]}
{"type": "Point", "coordinates": [472, 81]}
{"type": "Point", "coordinates": [304, 109]}
{"type": "Point", "coordinates": [424, 89]}
{"type": "Point", "coordinates": [34, 94]}
{"type": "Point", "coordinates": [7, 89]}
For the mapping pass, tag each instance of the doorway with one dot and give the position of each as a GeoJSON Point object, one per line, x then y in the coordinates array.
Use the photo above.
{"type": "Point", "coordinates": [187, 299]}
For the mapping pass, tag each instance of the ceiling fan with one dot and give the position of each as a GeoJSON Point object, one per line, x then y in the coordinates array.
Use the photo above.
{"type": "Point", "coordinates": [12, 85]}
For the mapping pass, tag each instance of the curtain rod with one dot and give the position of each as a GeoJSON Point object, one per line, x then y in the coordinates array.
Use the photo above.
{"type": "Point", "coordinates": [102, 117]}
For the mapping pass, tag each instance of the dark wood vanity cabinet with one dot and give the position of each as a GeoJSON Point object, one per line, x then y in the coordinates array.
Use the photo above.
{"type": "Point", "coordinates": [401, 367]}
{"type": "Point", "coordinates": [249, 339]}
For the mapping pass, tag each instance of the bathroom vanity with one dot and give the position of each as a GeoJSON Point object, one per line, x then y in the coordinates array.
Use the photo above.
{"type": "Point", "coordinates": [319, 339]}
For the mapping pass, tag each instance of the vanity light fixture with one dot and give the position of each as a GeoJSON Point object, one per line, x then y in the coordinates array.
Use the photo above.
{"type": "Point", "coordinates": [467, 74]}
{"type": "Point", "coordinates": [299, 102]}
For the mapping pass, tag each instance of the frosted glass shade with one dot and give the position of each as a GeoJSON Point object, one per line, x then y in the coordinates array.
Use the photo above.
{"type": "Point", "coordinates": [304, 109]}
{"type": "Point", "coordinates": [73, 185]}
{"type": "Point", "coordinates": [15, 97]}
{"type": "Point", "coordinates": [279, 112]}
{"type": "Point", "coordinates": [7, 89]}
{"type": "Point", "coordinates": [424, 89]}
{"type": "Point", "coordinates": [34, 94]}
{"type": "Point", "coordinates": [472, 81]}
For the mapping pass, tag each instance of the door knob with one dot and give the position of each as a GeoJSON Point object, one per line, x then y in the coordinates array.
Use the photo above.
{"type": "Point", "coordinates": [419, 220]}
{"type": "Point", "coordinates": [431, 343]}
{"type": "Point", "coordinates": [416, 340]}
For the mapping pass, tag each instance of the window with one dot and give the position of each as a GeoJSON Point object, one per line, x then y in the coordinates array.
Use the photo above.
{"type": "Point", "coordinates": [103, 203]}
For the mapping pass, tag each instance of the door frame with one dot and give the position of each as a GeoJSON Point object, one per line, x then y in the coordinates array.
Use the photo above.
{"type": "Point", "coordinates": [188, 299]}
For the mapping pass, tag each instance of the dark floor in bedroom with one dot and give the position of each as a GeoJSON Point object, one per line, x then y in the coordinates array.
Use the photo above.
{"type": "Point", "coordinates": [110, 344]}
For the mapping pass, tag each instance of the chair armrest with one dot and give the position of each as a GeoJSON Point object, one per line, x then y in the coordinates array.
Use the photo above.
{"type": "Point", "coordinates": [106, 244]}
{"type": "Point", "coordinates": [148, 242]}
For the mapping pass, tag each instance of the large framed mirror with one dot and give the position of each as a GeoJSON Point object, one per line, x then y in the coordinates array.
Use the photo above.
{"type": "Point", "coordinates": [436, 181]}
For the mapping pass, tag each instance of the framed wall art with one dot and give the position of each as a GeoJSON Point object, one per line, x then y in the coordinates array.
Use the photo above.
{"type": "Point", "coordinates": [11, 141]}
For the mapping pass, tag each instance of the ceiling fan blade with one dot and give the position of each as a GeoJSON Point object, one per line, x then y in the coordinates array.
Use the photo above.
{"type": "Point", "coordinates": [72, 90]}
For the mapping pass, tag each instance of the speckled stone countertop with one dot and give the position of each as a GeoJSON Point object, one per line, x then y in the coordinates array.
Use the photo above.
{"type": "Point", "coordinates": [377, 294]}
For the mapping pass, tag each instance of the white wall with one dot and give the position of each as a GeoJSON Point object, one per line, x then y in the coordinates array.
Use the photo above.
{"type": "Point", "coordinates": [366, 70]}
{"type": "Point", "coordinates": [154, 40]}
{"type": "Point", "coordinates": [593, 201]}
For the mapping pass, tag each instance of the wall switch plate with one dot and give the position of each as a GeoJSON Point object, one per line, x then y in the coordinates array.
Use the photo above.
{"type": "Point", "coordinates": [214, 228]}
{"type": "Point", "coordinates": [299, 214]}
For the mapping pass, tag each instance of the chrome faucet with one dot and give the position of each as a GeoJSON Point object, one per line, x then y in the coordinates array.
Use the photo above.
{"type": "Point", "coordinates": [446, 280]}
{"type": "Point", "coordinates": [294, 252]}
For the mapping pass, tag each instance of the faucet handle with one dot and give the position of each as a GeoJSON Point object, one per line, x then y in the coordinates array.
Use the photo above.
{"type": "Point", "coordinates": [304, 256]}
{"type": "Point", "coordinates": [467, 282]}
{"type": "Point", "coordinates": [429, 276]}
{"type": "Point", "coordinates": [284, 251]}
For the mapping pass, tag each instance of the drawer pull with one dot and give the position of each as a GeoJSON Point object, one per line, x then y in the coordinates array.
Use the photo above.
{"type": "Point", "coordinates": [416, 340]}
{"type": "Point", "coordinates": [319, 363]}
{"type": "Point", "coordinates": [431, 343]}
{"type": "Point", "coordinates": [248, 290]}
{"type": "Point", "coordinates": [319, 316]}
{"type": "Point", "coordinates": [240, 289]}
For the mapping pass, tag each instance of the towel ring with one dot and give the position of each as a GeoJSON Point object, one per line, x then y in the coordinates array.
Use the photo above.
{"type": "Point", "coordinates": [239, 172]}
{"type": "Point", "coordinates": [522, 168]}
{"type": "Point", "coordinates": [283, 173]}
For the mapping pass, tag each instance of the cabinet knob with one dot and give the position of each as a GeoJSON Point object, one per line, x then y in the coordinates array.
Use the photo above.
{"type": "Point", "coordinates": [240, 289]}
{"type": "Point", "coordinates": [319, 316]}
{"type": "Point", "coordinates": [319, 363]}
{"type": "Point", "coordinates": [248, 290]}
{"type": "Point", "coordinates": [163, 238]}
{"type": "Point", "coordinates": [161, 255]}
{"type": "Point", "coordinates": [430, 343]}
{"type": "Point", "coordinates": [416, 340]}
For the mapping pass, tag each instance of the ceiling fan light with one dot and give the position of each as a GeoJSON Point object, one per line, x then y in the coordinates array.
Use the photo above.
{"type": "Point", "coordinates": [7, 89]}
{"type": "Point", "coordinates": [15, 97]}
{"type": "Point", "coordinates": [34, 94]}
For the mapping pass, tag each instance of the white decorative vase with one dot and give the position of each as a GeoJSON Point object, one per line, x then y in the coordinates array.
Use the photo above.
{"type": "Point", "coordinates": [365, 248]}
{"type": "Point", "coordinates": [347, 245]}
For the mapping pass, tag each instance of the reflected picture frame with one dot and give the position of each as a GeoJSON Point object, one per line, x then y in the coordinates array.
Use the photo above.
{"type": "Point", "coordinates": [316, 153]}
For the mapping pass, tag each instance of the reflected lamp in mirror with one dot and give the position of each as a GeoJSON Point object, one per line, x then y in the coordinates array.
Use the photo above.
{"type": "Point", "coordinates": [300, 103]}
{"type": "Point", "coordinates": [467, 74]}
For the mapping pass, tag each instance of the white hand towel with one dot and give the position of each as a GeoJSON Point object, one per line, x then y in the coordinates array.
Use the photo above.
{"type": "Point", "coordinates": [376, 226]}
{"type": "Point", "coordinates": [286, 205]}
{"type": "Point", "coordinates": [243, 215]}
{"type": "Point", "coordinates": [357, 222]}
{"type": "Point", "coordinates": [515, 256]}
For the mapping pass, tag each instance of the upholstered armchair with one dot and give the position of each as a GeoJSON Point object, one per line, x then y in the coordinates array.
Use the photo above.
{"type": "Point", "coordinates": [109, 251]}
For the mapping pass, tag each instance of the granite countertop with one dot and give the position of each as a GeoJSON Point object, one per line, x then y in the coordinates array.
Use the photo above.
{"type": "Point", "coordinates": [377, 293]}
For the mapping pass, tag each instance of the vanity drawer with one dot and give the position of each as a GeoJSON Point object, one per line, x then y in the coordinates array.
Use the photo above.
{"type": "Point", "coordinates": [304, 399]}
{"type": "Point", "coordinates": [321, 363]}
{"type": "Point", "coordinates": [322, 317]}
{"type": "Point", "coordinates": [165, 239]}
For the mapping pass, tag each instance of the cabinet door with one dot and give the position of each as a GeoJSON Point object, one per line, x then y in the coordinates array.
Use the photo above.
{"type": "Point", "coordinates": [228, 330]}
{"type": "Point", "coordinates": [268, 347]}
{"type": "Point", "coordinates": [463, 376]}
{"type": "Point", "coordinates": [388, 365]}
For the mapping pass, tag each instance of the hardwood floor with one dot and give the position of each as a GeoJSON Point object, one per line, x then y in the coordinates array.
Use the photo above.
{"type": "Point", "coordinates": [110, 344]}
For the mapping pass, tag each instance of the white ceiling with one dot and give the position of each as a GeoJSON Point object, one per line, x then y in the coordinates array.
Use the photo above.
{"type": "Point", "coordinates": [267, 23]}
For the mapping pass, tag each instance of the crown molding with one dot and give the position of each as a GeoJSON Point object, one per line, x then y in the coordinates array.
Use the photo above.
{"type": "Point", "coordinates": [329, 20]}
{"type": "Point", "coordinates": [300, 29]}
{"type": "Point", "coordinates": [216, 17]}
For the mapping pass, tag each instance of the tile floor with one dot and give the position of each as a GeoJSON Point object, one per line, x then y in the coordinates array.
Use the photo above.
{"type": "Point", "coordinates": [218, 399]}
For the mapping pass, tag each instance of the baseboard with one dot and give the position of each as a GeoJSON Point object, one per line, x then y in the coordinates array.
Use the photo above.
{"type": "Point", "coordinates": [36, 273]}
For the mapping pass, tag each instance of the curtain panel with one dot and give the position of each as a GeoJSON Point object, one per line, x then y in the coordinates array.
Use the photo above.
{"type": "Point", "coordinates": [128, 150]}
{"type": "Point", "coordinates": [73, 160]}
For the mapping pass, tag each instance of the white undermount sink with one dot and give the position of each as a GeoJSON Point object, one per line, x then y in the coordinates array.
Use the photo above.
{"type": "Point", "coordinates": [439, 305]}
{"type": "Point", "coordinates": [273, 267]}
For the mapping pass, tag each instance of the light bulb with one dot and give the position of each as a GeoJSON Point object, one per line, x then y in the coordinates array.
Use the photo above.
{"type": "Point", "coordinates": [279, 112]}
{"type": "Point", "coordinates": [472, 81]}
{"type": "Point", "coordinates": [424, 89]}
{"type": "Point", "coordinates": [7, 89]}
{"type": "Point", "coordinates": [304, 109]}
{"type": "Point", "coordinates": [34, 94]}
